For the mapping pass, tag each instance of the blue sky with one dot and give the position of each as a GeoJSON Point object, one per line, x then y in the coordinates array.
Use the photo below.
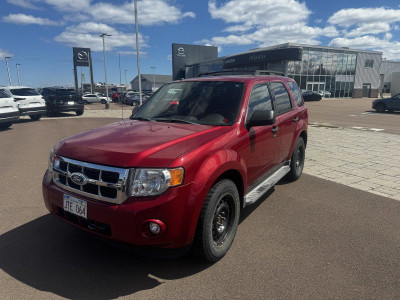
{"type": "Point", "coordinates": [40, 34]}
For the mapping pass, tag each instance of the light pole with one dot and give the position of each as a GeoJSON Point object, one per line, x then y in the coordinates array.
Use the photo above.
{"type": "Point", "coordinates": [16, 66]}
{"type": "Point", "coordinates": [119, 62]}
{"type": "Point", "coordinates": [105, 68]}
{"type": "Point", "coordinates": [154, 81]}
{"type": "Point", "coordinates": [137, 54]}
{"type": "Point", "coordinates": [8, 70]}
{"type": "Point", "coordinates": [126, 82]}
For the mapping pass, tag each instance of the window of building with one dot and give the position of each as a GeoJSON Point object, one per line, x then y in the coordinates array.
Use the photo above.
{"type": "Point", "coordinates": [282, 99]}
{"type": "Point", "coordinates": [296, 93]}
{"type": "Point", "coordinates": [369, 63]}
{"type": "Point", "coordinates": [259, 99]}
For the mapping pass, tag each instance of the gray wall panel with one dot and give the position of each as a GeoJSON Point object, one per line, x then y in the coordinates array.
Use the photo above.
{"type": "Point", "coordinates": [367, 75]}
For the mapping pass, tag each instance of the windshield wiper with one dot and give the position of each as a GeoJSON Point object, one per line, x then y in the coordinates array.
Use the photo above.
{"type": "Point", "coordinates": [176, 121]}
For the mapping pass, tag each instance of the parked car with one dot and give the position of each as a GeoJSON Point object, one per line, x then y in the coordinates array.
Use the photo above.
{"type": "Point", "coordinates": [116, 97]}
{"type": "Point", "coordinates": [9, 112]}
{"type": "Point", "coordinates": [178, 179]}
{"type": "Point", "coordinates": [132, 99]}
{"type": "Point", "coordinates": [94, 98]}
{"type": "Point", "coordinates": [311, 95]}
{"type": "Point", "coordinates": [324, 93]}
{"type": "Point", "coordinates": [389, 104]}
{"type": "Point", "coordinates": [30, 102]}
{"type": "Point", "coordinates": [62, 100]}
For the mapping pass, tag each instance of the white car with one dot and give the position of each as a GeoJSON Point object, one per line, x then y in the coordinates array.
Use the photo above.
{"type": "Point", "coordinates": [30, 102]}
{"type": "Point", "coordinates": [9, 112]}
{"type": "Point", "coordinates": [94, 98]}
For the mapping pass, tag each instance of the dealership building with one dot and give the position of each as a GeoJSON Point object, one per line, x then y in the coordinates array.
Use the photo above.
{"type": "Point", "coordinates": [344, 72]}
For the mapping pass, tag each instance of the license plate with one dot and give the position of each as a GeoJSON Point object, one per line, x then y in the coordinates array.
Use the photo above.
{"type": "Point", "coordinates": [75, 206]}
{"type": "Point", "coordinates": [70, 102]}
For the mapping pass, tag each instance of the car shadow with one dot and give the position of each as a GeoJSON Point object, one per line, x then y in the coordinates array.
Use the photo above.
{"type": "Point", "coordinates": [51, 256]}
{"type": "Point", "coordinates": [385, 112]}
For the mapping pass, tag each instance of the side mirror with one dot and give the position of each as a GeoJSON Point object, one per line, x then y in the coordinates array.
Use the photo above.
{"type": "Point", "coordinates": [261, 118]}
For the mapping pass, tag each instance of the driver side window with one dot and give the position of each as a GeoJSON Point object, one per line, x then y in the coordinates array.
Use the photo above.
{"type": "Point", "coordinates": [259, 99]}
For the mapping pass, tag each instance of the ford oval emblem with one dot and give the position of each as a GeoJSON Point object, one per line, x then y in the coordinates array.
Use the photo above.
{"type": "Point", "coordinates": [79, 178]}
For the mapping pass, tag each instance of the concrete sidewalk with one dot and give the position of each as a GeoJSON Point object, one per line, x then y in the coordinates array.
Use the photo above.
{"type": "Point", "coordinates": [365, 160]}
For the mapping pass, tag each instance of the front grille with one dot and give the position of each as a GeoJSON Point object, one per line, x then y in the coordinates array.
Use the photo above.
{"type": "Point", "coordinates": [102, 182]}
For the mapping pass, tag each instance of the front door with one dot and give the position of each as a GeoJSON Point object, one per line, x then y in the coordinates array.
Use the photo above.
{"type": "Point", "coordinates": [366, 90]}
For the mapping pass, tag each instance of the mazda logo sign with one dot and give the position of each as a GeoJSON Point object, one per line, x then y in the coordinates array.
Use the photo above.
{"type": "Point", "coordinates": [82, 55]}
{"type": "Point", "coordinates": [181, 51]}
{"type": "Point", "coordinates": [79, 178]}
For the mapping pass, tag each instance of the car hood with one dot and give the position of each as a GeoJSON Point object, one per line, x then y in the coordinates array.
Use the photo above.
{"type": "Point", "coordinates": [133, 143]}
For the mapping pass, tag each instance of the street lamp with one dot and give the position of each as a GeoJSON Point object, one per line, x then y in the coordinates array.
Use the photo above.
{"type": "Point", "coordinates": [16, 66]}
{"type": "Point", "coordinates": [126, 82]}
{"type": "Point", "coordinates": [105, 68]}
{"type": "Point", "coordinates": [8, 70]}
{"type": "Point", "coordinates": [154, 81]}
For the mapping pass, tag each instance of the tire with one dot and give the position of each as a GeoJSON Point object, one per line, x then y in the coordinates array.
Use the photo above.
{"type": "Point", "coordinates": [85, 102]}
{"type": "Point", "coordinates": [5, 125]}
{"type": "Point", "coordinates": [49, 112]}
{"type": "Point", "coordinates": [79, 112]}
{"type": "Point", "coordinates": [35, 117]}
{"type": "Point", "coordinates": [103, 101]}
{"type": "Point", "coordinates": [380, 107]}
{"type": "Point", "coordinates": [218, 222]}
{"type": "Point", "coordinates": [297, 160]}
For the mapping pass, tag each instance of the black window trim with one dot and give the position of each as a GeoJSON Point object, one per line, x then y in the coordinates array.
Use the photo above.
{"type": "Point", "coordinates": [273, 97]}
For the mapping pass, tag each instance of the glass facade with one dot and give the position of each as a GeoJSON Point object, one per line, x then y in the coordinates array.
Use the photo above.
{"type": "Point", "coordinates": [327, 70]}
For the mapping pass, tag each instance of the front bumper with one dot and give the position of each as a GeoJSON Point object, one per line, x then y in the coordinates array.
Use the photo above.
{"type": "Point", "coordinates": [40, 110]}
{"type": "Point", "coordinates": [65, 107]}
{"type": "Point", "coordinates": [178, 208]}
{"type": "Point", "coordinates": [9, 117]}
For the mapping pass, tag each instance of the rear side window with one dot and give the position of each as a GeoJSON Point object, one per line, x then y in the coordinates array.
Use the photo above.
{"type": "Point", "coordinates": [282, 99]}
{"type": "Point", "coordinates": [296, 93]}
{"type": "Point", "coordinates": [3, 94]}
{"type": "Point", "coordinates": [259, 99]}
{"type": "Point", "coordinates": [24, 92]}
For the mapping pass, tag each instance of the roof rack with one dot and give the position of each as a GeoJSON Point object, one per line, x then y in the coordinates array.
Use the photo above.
{"type": "Point", "coordinates": [242, 72]}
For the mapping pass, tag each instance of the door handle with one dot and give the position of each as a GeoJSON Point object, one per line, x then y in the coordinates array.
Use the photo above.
{"type": "Point", "coordinates": [295, 119]}
{"type": "Point", "coordinates": [275, 129]}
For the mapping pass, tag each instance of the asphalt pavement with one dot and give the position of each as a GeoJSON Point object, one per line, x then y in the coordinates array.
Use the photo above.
{"type": "Point", "coordinates": [311, 239]}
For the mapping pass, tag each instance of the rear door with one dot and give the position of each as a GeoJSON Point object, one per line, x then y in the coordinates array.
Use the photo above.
{"type": "Point", "coordinates": [286, 119]}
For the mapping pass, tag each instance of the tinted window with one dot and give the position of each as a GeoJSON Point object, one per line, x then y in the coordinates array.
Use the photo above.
{"type": "Point", "coordinates": [282, 99]}
{"type": "Point", "coordinates": [3, 94]}
{"type": "Point", "coordinates": [369, 63]}
{"type": "Point", "coordinates": [296, 92]}
{"type": "Point", "coordinates": [259, 99]}
{"type": "Point", "coordinates": [24, 92]}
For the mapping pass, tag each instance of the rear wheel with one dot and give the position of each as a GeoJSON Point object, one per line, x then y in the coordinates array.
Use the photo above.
{"type": "Point", "coordinates": [35, 117]}
{"type": "Point", "coordinates": [380, 107]}
{"type": "Point", "coordinates": [297, 161]}
{"type": "Point", "coordinates": [103, 101]}
{"type": "Point", "coordinates": [218, 221]}
{"type": "Point", "coordinates": [79, 112]}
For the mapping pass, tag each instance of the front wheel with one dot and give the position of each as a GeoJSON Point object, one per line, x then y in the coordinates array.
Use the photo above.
{"type": "Point", "coordinates": [5, 125]}
{"type": "Point", "coordinates": [103, 101]}
{"type": "Point", "coordinates": [380, 107]}
{"type": "Point", "coordinates": [297, 161]}
{"type": "Point", "coordinates": [218, 221]}
{"type": "Point", "coordinates": [79, 112]}
{"type": "Point", "coordinates": [35, 117]}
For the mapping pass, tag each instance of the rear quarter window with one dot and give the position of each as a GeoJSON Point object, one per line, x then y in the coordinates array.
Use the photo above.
{"type": "Point", "coordinates": [296, 93]}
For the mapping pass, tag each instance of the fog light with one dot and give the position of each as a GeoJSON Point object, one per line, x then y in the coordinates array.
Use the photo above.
{"type": "Point", "coordinates": [154, 228]}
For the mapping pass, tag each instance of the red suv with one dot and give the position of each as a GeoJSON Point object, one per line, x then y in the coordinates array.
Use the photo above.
{"type": "Point", "coordinates": [178, 176]}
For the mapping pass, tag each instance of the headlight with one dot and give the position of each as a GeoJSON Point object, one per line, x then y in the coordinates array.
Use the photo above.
{"type": "Point", "coordinates": [152, 182]}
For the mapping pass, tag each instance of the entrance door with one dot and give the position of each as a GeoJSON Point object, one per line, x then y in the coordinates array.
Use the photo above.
{"type": "Point", "coordinates": [366, 90]}
{"type": "Point", "coordinates": [316, 86]}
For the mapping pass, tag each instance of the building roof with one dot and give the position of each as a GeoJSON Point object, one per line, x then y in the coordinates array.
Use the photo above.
{"type": "Point", "coordinates": [159, 79]}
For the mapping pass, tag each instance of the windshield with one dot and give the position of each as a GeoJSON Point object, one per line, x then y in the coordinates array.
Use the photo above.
{"type": "Point", "coordinates": [196, 102]}
{"type": "Point", "coordinates": [24, 92]}
{"type": "Point", "coordinates": [66, 92]}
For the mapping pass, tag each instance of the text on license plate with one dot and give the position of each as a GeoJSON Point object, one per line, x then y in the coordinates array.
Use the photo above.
{"type": "Point", "coordinates": [75, 206]}
{"type": "Point", "coordinates": [70, 102]}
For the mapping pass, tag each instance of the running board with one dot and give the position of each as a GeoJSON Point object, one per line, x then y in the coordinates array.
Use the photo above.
{"type": "Point", "coordinates": [264, 186]}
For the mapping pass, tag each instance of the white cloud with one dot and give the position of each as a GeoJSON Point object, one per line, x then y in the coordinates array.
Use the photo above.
{"type": "Point", "coordinates": [23, 19]}
{"type": "Point", "coordinates": [24, 3]}
{"type": "Point", "coordinates": [391, 49]}
{"type": "Point", "coordinates": [356, 16]}
{"type": "Point", "coordinates": [87, 35]}
{"type": "Point", "coordinates": [364, 29]}
{"type": "Point", "coordinates": [265, 23]}
{"type": "Point", "coordinates": [4, 53]}
{"type": "Point", "coordinates": [69, 5]}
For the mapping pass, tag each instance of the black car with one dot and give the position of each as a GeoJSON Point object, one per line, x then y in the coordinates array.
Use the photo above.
{"type": "Point", "coordinates": [62, 100]}
{"type": "Point", "coordinates": [390, 104]}
{"type": "Point", "coordinates": [311, 95]}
